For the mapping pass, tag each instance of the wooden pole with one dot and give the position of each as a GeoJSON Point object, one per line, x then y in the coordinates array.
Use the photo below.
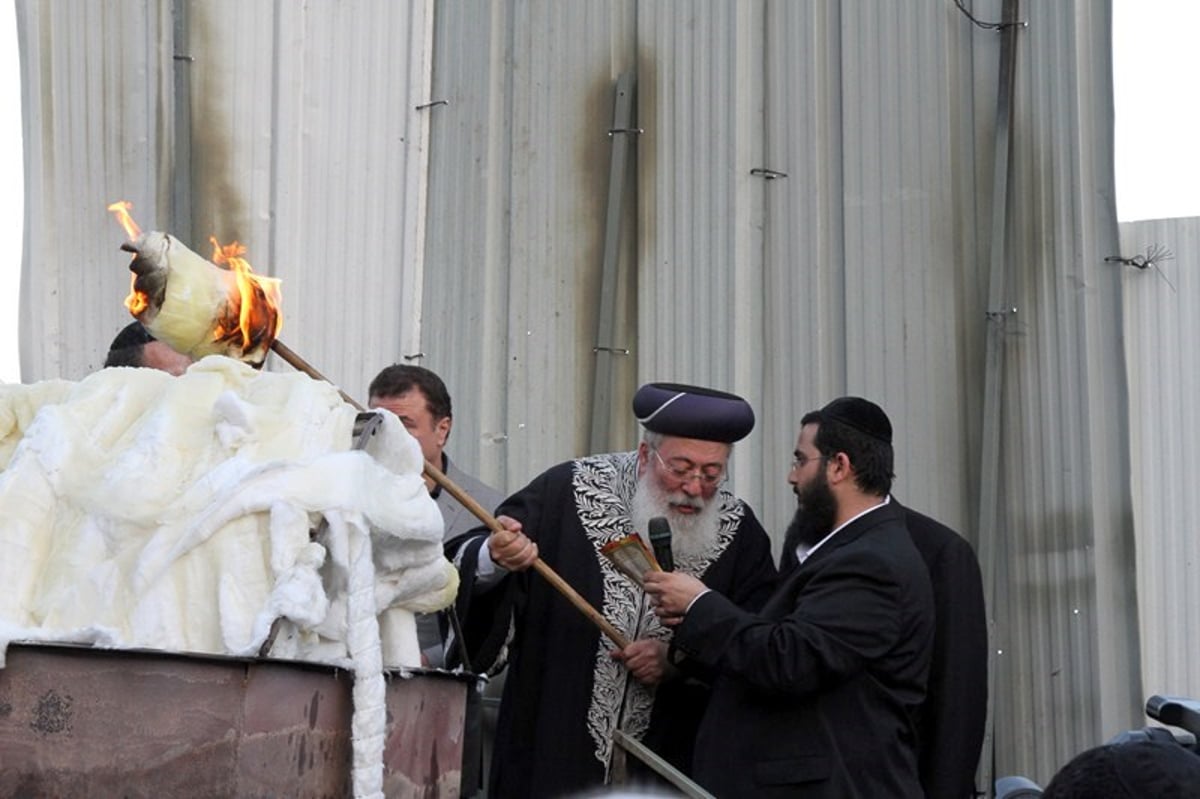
{"type": "Point", "coordinates": [289, 355]}
{"type": "Point", "coordinates": [539, 565]}
{"type": "Point", "coordinates": [468, 502]}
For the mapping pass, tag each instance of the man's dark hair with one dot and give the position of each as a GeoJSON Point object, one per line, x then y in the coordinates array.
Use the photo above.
{"type": "Point", "coordinates": [126, 347]}
{"type": "Point", "coordinates": [872, 458]}
{"type": "Point", "coordinates": [1128, 770]}
{"type": "Point", "coordinates": [400, 378]}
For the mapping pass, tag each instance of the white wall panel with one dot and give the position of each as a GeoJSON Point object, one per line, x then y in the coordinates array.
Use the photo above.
{"type": "Point", "coordinates": [1160, 344]}
{"type": "Point", "coordinates": [467, 254]}
{"type": "Point", "coordinates": [905, 280]}
{"type": "Point", "coordinates": [96, 80]}
{"type": "Point", "coordinates": [519, 186]}
{"type": "Point", "coordinates": [701, 242]}
{"type": "Point", "coordinates": [1065, 608]}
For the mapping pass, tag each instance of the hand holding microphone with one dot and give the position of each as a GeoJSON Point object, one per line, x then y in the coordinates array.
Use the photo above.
{"type": "Point", "coordinates": [659, 530]}
{"type": "Point", "coordinates": [671, 592]}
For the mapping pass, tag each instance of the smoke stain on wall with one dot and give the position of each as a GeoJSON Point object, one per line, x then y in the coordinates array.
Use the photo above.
{"type": "Point", "coordinates": [219, 202]}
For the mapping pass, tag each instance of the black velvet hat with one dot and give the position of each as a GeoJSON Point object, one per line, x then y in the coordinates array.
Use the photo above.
{"type": "Point", "coordinates": [861, 414]}
{"type": "Point", "coordinates": [693, 412]}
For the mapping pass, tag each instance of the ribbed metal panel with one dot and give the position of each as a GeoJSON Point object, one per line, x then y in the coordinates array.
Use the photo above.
{"type": "Point", "coordinates": [244, 121]}
{"type": "Point", "coordinates": [94, 76]}
{"type": "Point", "coordinates": [519, 184]}
{"type": "Point", "coordinates": [351, 88]}
{"type": "Point", "coordinates": [1065, 608]}
{"type": "Point", "coordinates": [700, 262]}
{"type": "Point", "coordinates": [468, 232]}
{"type": "Point", "coordinates": [1162, 328]}
{"type": "Point", "coordinates": [702, 256]}
{"type": "Point", "coordinates": [904, 281]}
{"type": "Point", "coordinates": [803, 310]}
{"type": "Point", "coordinates": [12, 211]}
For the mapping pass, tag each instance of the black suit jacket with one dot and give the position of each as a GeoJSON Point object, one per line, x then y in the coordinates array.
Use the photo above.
{"type": "Point", "coordinates": [817, 695]}
{"type": "Point", "coordinates": [954, 714]}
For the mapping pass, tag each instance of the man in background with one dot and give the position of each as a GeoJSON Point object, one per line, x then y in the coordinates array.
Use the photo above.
{"type": "Point", "coordinates": [420, 399]}
{"type": "Point", "coordinates": [134, 346]}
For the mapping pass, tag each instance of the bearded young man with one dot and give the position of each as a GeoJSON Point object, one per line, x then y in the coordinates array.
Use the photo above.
{"type": "Point", "coordinates": [953, 717]}
{"type": "Point", "coordinates": [817, 695]}
{"type": "Point", "coordinates": [567, 689]}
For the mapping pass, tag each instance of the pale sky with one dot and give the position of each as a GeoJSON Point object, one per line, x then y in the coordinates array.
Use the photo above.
{"type": "Point", "coordinates": [1158, 128]}
{"type": "Point", "coordinates": [1155, 65]}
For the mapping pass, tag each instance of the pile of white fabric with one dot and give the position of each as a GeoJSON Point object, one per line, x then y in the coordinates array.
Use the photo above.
{"type": "Point", "coordinates": [190, 513]}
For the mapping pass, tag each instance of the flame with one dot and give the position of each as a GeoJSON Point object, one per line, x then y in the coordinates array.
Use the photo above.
{"type": "Point", "coordinates": [257, 305]}
{"type": "Point", "coordinates": [120, 210]}
{"type": "Point", "coordinates": [137, 301]}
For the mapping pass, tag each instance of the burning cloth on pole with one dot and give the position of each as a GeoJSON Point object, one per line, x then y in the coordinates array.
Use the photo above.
{"type": "Point", "coordinates": [199, 307]}
{"type": "Point", "coordinates": [139, 509]}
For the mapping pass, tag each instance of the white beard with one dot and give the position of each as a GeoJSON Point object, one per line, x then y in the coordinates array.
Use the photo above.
{"type": "Point", "coordinates": [692, 535]}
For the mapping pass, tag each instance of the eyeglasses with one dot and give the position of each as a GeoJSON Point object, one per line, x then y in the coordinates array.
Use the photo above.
{"type": "Point", "coordinates": [800, 460]}
{"type": "Point", "coordinates": [711, 475]}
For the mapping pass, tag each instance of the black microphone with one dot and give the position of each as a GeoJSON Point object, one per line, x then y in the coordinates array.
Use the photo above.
{"type": "Point", "coordinates": [659, 530]}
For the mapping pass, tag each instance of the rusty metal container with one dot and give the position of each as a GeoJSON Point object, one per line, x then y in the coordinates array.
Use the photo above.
{"type": "Point", "coordinates": [83, 722]}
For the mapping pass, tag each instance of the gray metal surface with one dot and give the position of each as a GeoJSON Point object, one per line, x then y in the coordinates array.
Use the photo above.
{"type": "Point", "coordinates": [607, 351]}
{"type": "Point", "coordinates": [1066, 608]}
{"type": "Point", "coordinates": [91, 723]}
{"type": "Point", "coordinates": [998, 314]}
{"type": "Point", "coordinates": [1162, 329]}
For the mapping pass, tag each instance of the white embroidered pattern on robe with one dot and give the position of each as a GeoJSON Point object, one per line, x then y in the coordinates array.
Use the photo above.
{"type": "Point", "coordinates": [604, 486]}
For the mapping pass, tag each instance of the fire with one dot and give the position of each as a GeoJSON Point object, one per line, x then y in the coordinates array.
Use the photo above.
{"type": "Point", "coordinates": [258, 301]}
{"type": "Point", "coordinates": [120, 209]}
{"type": "Point", "coordinates": [199, 306]}
{"type": "Point", "coordinates": [137, 300]}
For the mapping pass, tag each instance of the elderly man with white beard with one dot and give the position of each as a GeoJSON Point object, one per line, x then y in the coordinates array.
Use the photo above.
{"type": "Point", "coordinates": [567, 689]}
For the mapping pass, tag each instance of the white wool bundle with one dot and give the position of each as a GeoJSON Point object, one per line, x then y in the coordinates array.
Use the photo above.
{"type": "Point", "coordinates": [190, 513]}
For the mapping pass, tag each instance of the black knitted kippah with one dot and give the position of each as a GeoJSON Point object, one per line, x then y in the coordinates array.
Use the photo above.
{"type": "Point", "coordinates": [861, 414]}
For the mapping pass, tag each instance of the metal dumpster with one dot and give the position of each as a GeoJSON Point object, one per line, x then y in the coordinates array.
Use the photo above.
{"type": "Point", "coordinates": [83, 722]}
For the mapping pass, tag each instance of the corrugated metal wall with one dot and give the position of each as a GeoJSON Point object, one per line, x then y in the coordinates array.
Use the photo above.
{"type": "Point", "coordinates": [1065, 608]}
{"type": "Point", "coordinates": [1161, 331]}
{"type": "Point", "coordinates": [295, 129]}
{"type": "Point", "coordinates": [518, 196]}
{"type": "Point", "coordinates": [97, 94]}
{"type": "Point", "coordinates": [807, 213]}
{"type": "Point", "coordinates": [724, 261]}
